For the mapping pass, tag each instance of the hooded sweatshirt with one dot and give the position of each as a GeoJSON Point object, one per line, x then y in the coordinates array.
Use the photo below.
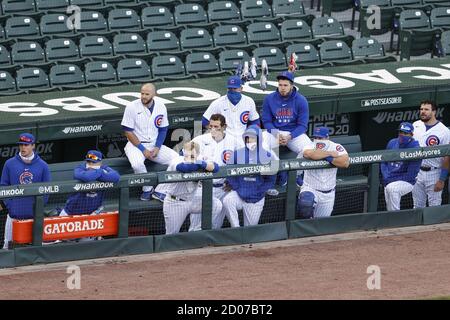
{"type": "Point", "coordinates": [400, 170]}
{"type": "Point", "coordinates": [286, 114]}
{"type": "Point", "coordinates": [16, 171]}
{"type": "Point", "coordinates": [252, 188]}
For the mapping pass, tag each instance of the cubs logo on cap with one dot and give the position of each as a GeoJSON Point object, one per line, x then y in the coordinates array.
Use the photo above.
{"type": "Point", "coordinates": [94, 156]}
{"type": "Point", "coordinates": [234, 82]}
{"type": "Point", "coordinates": [26, 138]}
{"type": "Point", "coordinates": [158, 120]}
{"type": "Point", "coordinates": [244, 117]}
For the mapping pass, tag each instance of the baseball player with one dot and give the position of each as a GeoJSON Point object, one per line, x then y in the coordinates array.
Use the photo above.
{"type": "Point", "coordinates": [285, 114]}
{"type": "Point", "coordinates": [428, 131]}
{"type": "Point", "coordinates": [25, 168]}
{"type": "Point", "coordinates": [399, 177]}
{"type": "Point", "coordinates": [239, 110]}
{"type": "Point", "coordinates": [91, 170]}
{"type": "Point", "coordinates": [217, 146]}
{"type": "Point", "coordinates": [183, 198]}
{"type": "Point", "coordinates": [316, 198]}
{"type": "Point", "coordinates": [247, 193]}
{"type": "Point", "coordinates": [145, 124]}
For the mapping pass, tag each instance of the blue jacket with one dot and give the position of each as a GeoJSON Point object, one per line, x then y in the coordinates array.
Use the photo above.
{"type": "Point", "coordinates": [287, 114]}
{"type": "Point", "coordinates": [400, 170]}
{"type": "Point", "coordinates": [252, 188]}
{"type": "Point", "coordinates": [87, 202]}
{"type": "Point", "coordinates": [15, 171]}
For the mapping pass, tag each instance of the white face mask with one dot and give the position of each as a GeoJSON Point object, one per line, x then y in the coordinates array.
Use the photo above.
{"type": "Point", "coordinates": [92, 166]}
{"type": "Point", "coordinates": [251, 145]}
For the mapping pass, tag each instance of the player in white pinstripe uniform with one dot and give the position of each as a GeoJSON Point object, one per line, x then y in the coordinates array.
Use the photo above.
{"type": "Point", "coordinates": [429, 131]}
{"type": "Point", "coordinates": [239, 110]}
{"type": "Point", "coordinates": [316, 198]}
{"type": "Point", "coordinates": [184, 198]}
{"type": "Point", "coordinates": [217, 146]}
{"type": "Point", "coordinates": [145, 124]}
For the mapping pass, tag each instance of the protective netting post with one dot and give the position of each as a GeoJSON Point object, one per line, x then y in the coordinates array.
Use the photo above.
{"type": "Point", "coordinates": [374, 183]}
{"type": "Point", "coordinates": [207, 205]}
{"type": "Point", "coordinates": [124, 212]}
{"type": "Point", "coordinates": [291, 195]}
{"type": "Point", "coordinates": [38, 223]}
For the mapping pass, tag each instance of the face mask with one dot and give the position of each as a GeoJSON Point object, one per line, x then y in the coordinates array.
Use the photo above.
{"type": "Point", "coordinates": [404, 139]}
{"type": "Point", "coordinates": [93, 166]}
{"type": "Point", "coordinates": [234, 97]}
{"type": "Point", "coordinates": [251, 145]}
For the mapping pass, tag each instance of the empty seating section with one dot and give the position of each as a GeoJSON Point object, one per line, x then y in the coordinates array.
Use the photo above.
{"type": "Point", "coordinates": [124, 41]}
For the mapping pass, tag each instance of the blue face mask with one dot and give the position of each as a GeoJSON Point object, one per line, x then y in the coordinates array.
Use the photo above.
{"type": "Point", "coordinates": [234, 97]}
{"type": "Point", "coordinates": [403, 140]}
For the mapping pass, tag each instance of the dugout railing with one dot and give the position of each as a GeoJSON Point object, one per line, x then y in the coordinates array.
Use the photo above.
{"type": "Point", "coordinates": [287, 226]}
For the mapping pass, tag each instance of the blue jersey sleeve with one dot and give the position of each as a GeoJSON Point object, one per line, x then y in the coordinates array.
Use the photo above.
{"type": "Point", "coordinates": [187, 167]}
{"type": "Point", "coordinates": [162, 133]}
{"type": "Point", "coordinates": [86, 175]}
{"type": "Point", "coordinates": [303, 117]}
{"type": "Point", "coordinates": [109, 175]}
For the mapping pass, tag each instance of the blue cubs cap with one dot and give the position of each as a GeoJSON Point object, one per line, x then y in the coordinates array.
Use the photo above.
{"type": "Point", "coordinates": [234, 82]}
{"type": "Point", "coordinates": [286, 75]}
{"type": "Point", "coordinates": [406, 127]}
{"type": "Point", "coordinates": [94, 156]}
{"type": "Point", "coordinates": [321, 132]}
{"type": "Point", "coordinates": [26, 138]}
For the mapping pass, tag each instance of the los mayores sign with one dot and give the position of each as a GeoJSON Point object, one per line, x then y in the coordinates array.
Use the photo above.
{"type": "Point", "coordinates": [338, 89]}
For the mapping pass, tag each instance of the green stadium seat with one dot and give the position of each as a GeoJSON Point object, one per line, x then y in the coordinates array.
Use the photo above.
{"type": "Point", "coordinates": [157, 17]}
{"type": "Point", "coordinates": [127, 3]}
{"type": "Point", "coordinates": [407, 4]}
{"type": "Point", "coordinates": [329, 6]}
{"type": "Point", "coordinates": [166, 3]}
{"type": "Point", "coordinates": [67, 76]}
{"type": "Point", "coordinates": [129, 44]}
{"type": "Point", "coordinates": [7, 83]}
{"type": "Point", "coordinates": [202, 64]}
{"type": "Point", "coordinates": [124, 19]}
{"type": "Point", "coordinates": [370, 50]}
{"type": "Point", "coordinates": [22, 7]}
{"type": "Point", "coordinates": [416, 37]}
{"type": "Point", "coordinates": [27, 52]}
{"type": "Point", "coordinates": [88, 4]}
{"type": "Point", "coordinates": [195, 38]}
{"type": "Point", "coordinates": [223, 11]}
{"type": "Point", "coordinates": [2, 34]}
{"type": "Point", "coordinates": [96, 47]}
{"type": "Point", "coordinates": [326, 26]}
{"type": "Point", "coordinates": [52, 5]}
{"type": "Point", "coordinates": [387, 15]}
{"type": "Point", "coordinates": [169, 67]}
{"type": "Point", "coordinates": [62, 50]}
{"type": "Point", "coordinates": [230, 59]}
{"type": "Point", "coordinates": [190, 14]}
{"type": "Point", "coordinates": [32, 78]}
{"type": "Point", "coordinates": [101, 73]}
{"type": "Point", "coordinates": [287, 8]}
{"type": "Point", "coordinates": [92, 22]}
{"type": "Point", "coordinates": [262, 33]}
{"type": "Point", "coordinates": [440, 18]}
{"type": "Point", "coordinates": [55, 24]}
{"type": "Point", "coordinates": [296, 30]}
{"type": "Point", "coordinates": [162, 41]}
{"type": "Point", "coordinates": [274, 57]}
{"type": "Point", "coordinates": [255, 9]}
{"type": "Point", "coordinates": [229, 36]}
{"type": "Point", "coordinates": [436, 3]}
{"type": "Point", "coordinates": [133, 70]}
{"type": "Point", "coordinates": [5, 57]}
{"type": "Point", "coordinates": [21, 27]}
{"type": "Point", "coordinates": [307, 55]}
{"type": "Point", "coordinates": [337, 52]}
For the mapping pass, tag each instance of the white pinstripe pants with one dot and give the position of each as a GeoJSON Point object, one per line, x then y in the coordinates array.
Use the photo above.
{"type": "Point", "coordinates": [252, 211]}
